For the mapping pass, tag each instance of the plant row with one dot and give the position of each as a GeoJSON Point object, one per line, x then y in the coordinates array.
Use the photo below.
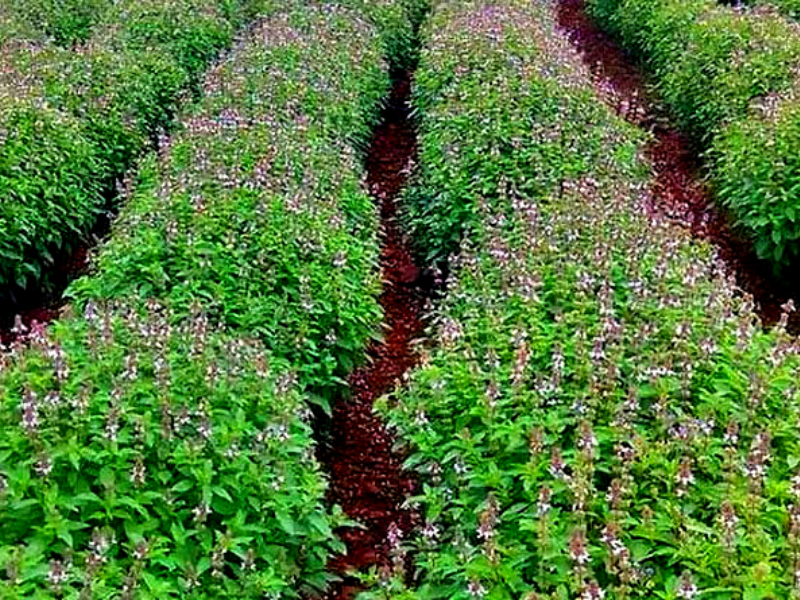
{"type": "Point", "coordinates": [65, 22]}
{"type": "Point", "coordinates": [157, 442]}
{"type": "Point", "coordinates": [730, 77]}
{"type": "Point", "coordinates": [256, 208]}
{"type": "Point", "coordinates": [602, 415]}
{"type": "Point", "coordinates": [74, 119]}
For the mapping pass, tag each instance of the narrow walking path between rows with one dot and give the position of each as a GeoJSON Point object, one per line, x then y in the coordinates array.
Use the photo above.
{"type": "Point", "coordinates": [678, 190]}
{"type": "Point", "coordinates": [366, 475]}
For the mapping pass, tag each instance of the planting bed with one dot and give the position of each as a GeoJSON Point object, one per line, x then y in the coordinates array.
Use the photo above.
{"type": "Point", "coordinates": [790, 8]}
{"type": "Point", "coordinates": [76, 119]}
{"type": "Point", "coordinates": [65, 22]}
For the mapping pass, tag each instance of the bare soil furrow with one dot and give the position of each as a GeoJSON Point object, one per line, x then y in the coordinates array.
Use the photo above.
{"type": "Point", "coordinates": [366, 474]}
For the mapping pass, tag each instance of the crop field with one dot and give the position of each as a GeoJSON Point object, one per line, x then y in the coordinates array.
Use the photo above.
{"type": "Point", "coordinates": [399, 299]}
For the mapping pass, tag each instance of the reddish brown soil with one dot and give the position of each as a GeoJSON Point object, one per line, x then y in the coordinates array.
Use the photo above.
{"type": "Point", "coordinates": [678, 190]}
{"type": "Point", "coordinates": [366, 475]}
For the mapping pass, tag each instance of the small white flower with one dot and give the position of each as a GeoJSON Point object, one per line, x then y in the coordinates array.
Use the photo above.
{"type": "Point", "coordinates": [430, 531]}
{"type": "Point", "coordinates": [593, 591]}
{"type": "Point", "coordinates": [687, 588]}
{"type": "Point", "coordinates": [476, 589]}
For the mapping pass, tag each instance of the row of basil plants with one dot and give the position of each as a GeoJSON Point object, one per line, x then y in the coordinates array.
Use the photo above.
{"type": "Point", "coordinates": [65, 22]}
{"type": "Point", "coordinates": [74, 119]}
{"type": "Point", "coordinates": [730, 77]}
{"type": "Point", "coordinates": [602, 415]}
{"type": "Point", "coordinates": [156, 442]}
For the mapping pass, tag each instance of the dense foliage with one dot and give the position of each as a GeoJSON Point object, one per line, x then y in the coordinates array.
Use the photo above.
{"type": "Point", "coordinates": [158, 445]}
{"type": "Point", "coordinates": [12, 29]}
{"type": "Point", "coordinates": [729, 75]}
{"type": "Point", "coordinates": [602, 416]}
{"type": "Point", "coordinates": [757, 174]}
{"type": "Point", "coordinates": [114, 96]}
{"type": "Point", "coordinates": [65, 22]}
{"type": "Point", "coordinates": [140, 459]}
{"type": "Point", "coordinates": [256, 209]}
{"type": "Point", "coordinates": [395, 22]}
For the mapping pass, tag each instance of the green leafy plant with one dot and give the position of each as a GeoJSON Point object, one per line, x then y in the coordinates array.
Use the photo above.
{"type": "Point", "coordinates": [36, 217]}
{"type": "Point", "coordinates": [709, 61]}
{"type": "Point", "coordinates": [790, 8]}
{"type": "Point", "coordinates": [262, 188]}
{"type": "Point", "coordinates": [602, 415]}
{"type": "Point", "coordinates": [723, 73]}
{"type": "Point", "coordinates": [158, 444]}
{"type": "Point", "coordinates": [192, 31]}
{"type": "Point", "coordinates": [758, 175]}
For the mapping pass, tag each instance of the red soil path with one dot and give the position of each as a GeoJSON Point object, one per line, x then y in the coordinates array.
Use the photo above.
{"type": "Point", "coordinates": [366, 475]}
{"type": "Point", "coordinates": [678, 190]}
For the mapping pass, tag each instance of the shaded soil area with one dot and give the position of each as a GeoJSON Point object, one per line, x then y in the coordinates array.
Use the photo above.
{"type": "Point", "coordinates": [366, 475]}
{"type": "Point", "coordinates": [678, 190]}
{"type": "Point", "coordinates": [23, 311]}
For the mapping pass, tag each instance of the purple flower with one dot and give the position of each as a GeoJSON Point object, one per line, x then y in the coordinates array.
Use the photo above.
{"type": "Point", "coordinates": [430, 531]}
{"type": "Point", "coordinates": [476, 589]}
{"type": "Point", "coordinates": [687, 589]}
{"type": "Point", "coordinates": [543, 505]}
{"type": "Point", "coordinates": [394, 535]}
{"type": "Point", "coordinates": [592, 591]}
{"type": "Point", "coordinates": [578, 551]}
{"type": "Point", "coordinates": [57, 574]}
{"type": "Point", "coordinates": [138, 472]}
{"type": "Point", "coordinates": [30, 412]}
{"type": "Point", "coordinates": [557, 465]}
{"type": "Point", "coordinates": [201, 512]}
{"type": "Point", "coordinates": [685, 477]}
{"type": "Point", "coordinates": [205, 428]}
{"type": "Point", "coordinates": [44, 465]}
